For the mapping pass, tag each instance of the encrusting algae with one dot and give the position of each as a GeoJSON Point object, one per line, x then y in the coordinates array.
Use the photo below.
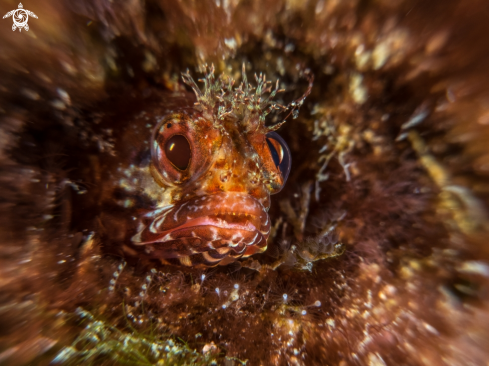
{"type": "Point", "coordinates": [375, 247]}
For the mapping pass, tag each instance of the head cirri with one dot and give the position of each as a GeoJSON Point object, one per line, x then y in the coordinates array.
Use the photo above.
{"type": "Point", "coordinates": [221, 164]}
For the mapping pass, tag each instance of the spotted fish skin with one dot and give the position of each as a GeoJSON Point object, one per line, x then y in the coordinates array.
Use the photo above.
{"type": "Point", "coordinates": [219, 206]}
{"type": "Point", "coordinates": [214, 209]}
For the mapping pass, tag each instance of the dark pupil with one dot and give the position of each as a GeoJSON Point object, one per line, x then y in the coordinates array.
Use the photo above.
{"type": "Point", "coordinates": [275, 155]}
{"type": "Point", "coordinates": [177, 150]}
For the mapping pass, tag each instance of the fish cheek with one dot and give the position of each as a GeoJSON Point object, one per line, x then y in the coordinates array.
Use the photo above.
{"type": "Point", "coordinates": [207, 141]}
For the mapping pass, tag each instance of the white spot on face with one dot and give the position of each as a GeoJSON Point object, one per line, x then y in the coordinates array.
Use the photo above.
{"type": "Point", "coordinates": [158, 211]}
{"type": "Point", "coordinates": [167, 237]}
{"type": "Point", "coordinates": [238, 250]}
{"type": "Point", "coordinates": [236, 236]}
{"type": "Point", "coordinates": [158, 222]}
{"type": "Point", "coordinates": [153, 228]}
{"type": "Point", "coordinates": [176, 213]}
{"type": "Point", "coordinates": [210, 259]}
{"type": "Point", "coordinates": [253, 240]}
{"type": "Point", "coordinates": [233, 245]}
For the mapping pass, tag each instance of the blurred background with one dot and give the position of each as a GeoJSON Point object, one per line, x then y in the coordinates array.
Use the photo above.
{"type": "Point", "coordinates": [390, 163]}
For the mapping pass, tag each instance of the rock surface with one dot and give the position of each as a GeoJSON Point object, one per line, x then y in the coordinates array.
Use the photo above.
{"type": "Point", "coordinates": [390, 164]}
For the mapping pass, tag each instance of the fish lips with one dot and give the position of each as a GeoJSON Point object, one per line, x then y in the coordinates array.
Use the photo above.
{"type": "Point", "coordinates": [234, 224]}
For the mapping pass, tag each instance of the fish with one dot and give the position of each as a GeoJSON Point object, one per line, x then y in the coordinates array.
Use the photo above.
{"type": "Point", "coordinates": [198, 188]}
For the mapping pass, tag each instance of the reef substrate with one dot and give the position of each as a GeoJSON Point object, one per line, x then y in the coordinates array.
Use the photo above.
{"type": "Point", "coordinates": [379, 252]}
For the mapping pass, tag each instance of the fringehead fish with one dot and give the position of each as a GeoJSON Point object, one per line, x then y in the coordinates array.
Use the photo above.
{"type": "Point", "coordinates": [198, 189]}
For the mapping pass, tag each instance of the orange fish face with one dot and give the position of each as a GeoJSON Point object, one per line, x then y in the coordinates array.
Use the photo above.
{"type": "Point", "coordinates": [222, 180]}
{"type": "Point", "coordinates": [220, 164]}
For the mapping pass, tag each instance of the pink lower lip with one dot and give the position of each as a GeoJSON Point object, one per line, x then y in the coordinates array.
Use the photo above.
{"type": "Point", "coordinates": [208, 221]}
{"type": "Point", "coordinates": [211, 218]}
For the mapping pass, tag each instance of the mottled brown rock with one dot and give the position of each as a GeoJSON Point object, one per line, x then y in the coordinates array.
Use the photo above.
{"type": "Point", "coordinates": [393, 138]}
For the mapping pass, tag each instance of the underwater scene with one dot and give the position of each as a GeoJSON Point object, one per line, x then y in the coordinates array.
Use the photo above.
{"type": "Point", "coordinates": [244, 182]}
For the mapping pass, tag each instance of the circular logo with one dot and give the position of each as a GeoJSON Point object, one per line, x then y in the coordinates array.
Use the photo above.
{"type": "Point", "coordinates": [20, 18]}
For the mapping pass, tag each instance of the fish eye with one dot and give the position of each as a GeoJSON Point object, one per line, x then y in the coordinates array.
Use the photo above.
{"type": "Point", "coordinates": [276, 150]}
{"type": "Point", "coordinates": [178, 154]}
{"type": "Point", "coordinates": [280, 154]}
{"type": "Point", "coordinates": [177, 151]}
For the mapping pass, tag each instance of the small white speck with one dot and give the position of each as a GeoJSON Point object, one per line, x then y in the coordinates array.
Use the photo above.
{"type": "Point", "coordinates": [64, 96]}
{"type": "Point", "coordinates": [431, 329]}
{"type": "Point", "coordinates": [230, 43]}
{"type": "Point", "coordinates": [475, 267]}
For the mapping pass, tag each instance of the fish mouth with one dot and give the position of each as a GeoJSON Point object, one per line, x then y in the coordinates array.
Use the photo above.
{"type": "Point", "coordinates": [216, 226]}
